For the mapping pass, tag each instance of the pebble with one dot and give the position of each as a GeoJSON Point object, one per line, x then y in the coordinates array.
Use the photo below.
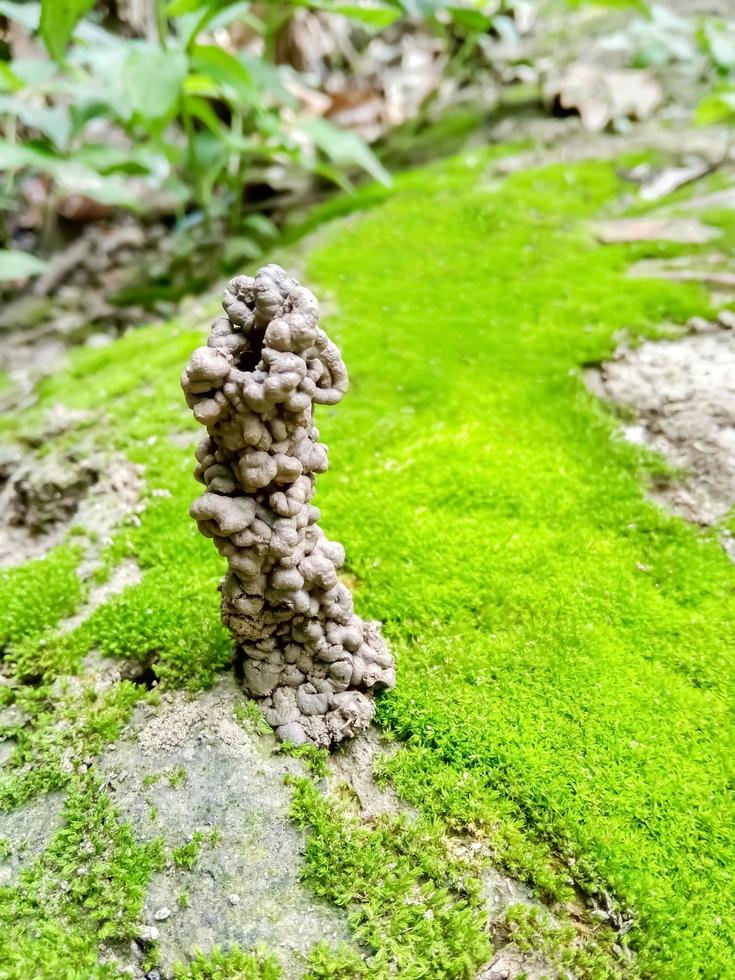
{"type": "Point", "coordinates": [233, 899]}
{"type": "Point", "coordinates": [148, 934]}
{"type": "Point", "coordinates": [160, 915]}
{"type": "Point", "coordinates": [698, 324]}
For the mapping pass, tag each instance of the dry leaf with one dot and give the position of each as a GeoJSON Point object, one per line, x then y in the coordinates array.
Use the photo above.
{"type": "Point", "coordinates": [602, 95]}
{"type": "Point", "coordinates": [689, 231]}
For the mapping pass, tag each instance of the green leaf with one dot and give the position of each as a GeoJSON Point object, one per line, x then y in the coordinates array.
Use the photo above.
{"type": "Point", "coordinates": [58, 20]}
{"type": "Point", "coordinates": [178, 7]}
{"type": "Point", "coordinates": [203, 111]}
{"type": "Point", "coordinates": [13, 156]}
{"type": "Point", "coordinates": [270, 78]}
{"type": "Point", "coordinates": [377, 15]}
{"type": "Point", "coordinates": [230, 12]}
{"type": "Point", "coordinates": [240, 249]}
{"type": "Point", "coordinates": [344, 148]}
{"type": "Point", "coordinates": [224, 69]}
{"type": "Point", "coordinates": [18, 265]}
{"type": "Point", "coordinates": [111, 190]}
{"type": "Point", "coordinates": [261, 225]}
{"type": "Point", "coordinates": [720, 43]}
{"type": "Point", "coordinates": [28, 15]}
{"type": "Point", "coordinates": [9, 81]}
{"type": "Point", "coordinates": [33, 71]}
{"type": "Point", "coordinates": [152, 80]}
{"type": "Point", "coordinates": [53, 123]}
{"type": "Point", "coordinates": [470, 17]}
{"type": "Point", "coordinates": [716, 108]}
{"type": "Point", "coordinates": [104, 158]}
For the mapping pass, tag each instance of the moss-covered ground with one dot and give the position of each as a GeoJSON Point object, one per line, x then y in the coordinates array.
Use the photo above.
{"type": "Point", "coordinates": [565, 648]}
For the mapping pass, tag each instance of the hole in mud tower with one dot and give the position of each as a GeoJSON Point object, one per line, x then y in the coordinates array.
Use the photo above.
{"type": "Point", "coordinates": [250, 358]}
{"type": "Point", "coordinates": [141, 673]}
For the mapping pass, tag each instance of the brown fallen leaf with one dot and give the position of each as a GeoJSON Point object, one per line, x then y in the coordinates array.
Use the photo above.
{"type": "Point", "coordinates": [82, 209]}
{"type": "Point", "coordinates": [689, 231]}
{"type": "Point", "coordinates": [602, 95]}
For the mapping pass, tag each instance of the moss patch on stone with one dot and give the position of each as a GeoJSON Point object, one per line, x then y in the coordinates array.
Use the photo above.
{"type": "Point", "coordinates": [87, 888]}
{"type": "Point", "coordinates": [565, 648]}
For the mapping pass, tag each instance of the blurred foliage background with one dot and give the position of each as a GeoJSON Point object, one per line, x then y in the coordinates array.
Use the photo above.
{"type": "Point", "coordinates": [176, 137]}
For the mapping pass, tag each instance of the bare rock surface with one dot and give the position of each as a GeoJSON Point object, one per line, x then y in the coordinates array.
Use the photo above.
{"type": "Point", "coordinates": [684, 394]}
{"type": "Point", "coordinates": [711, 270]}
{"type": "Point", "coordinates": [306, 655]}
{"type": "Point", "coordinates": [27, 832]}
{"type": "Point", "coordinates": [188, 768]}
{"type": "Point", "coordinates": [689, 231]}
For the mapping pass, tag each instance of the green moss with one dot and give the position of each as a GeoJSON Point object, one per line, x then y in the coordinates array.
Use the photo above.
{"type": "Point", "coordinates": [177, 777]}
{"type": "Point", "coordinates": [316, 760]}
{"type": "Point", "coordinates": [86, 888]}
{"type": "Point", "coordinates": [249, 716]}
{"type": "Point", "coordinates": [564, 647]}
{"type": "Point", "coordinates": [233, 964]}
{"type": "Point", "coordinates": [187, 855]}
{"type": "Point", "coordinates": [532, 929]}
{"type": "Point", "coordinates": [498, 530]}
{"type": "Point", "coordinates": [407, 902]}
{"type": "Point", "coordinates": [38, 594]}
{"type": "Point", "coordinates": [342, 963]}
{"type": "Point", "coordinates": [64, 730]}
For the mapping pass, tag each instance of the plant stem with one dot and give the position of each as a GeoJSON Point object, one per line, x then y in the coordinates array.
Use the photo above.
{"type": "Point", "coordinates": [194, 167]}
{"type": "Point", "coordinates": [161, 22]}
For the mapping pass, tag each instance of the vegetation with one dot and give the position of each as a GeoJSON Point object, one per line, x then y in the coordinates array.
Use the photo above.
{"type": "Point", "coordinates": [233, 964]}
{"type": "Point", "coordinates": [86, 888]}
{"type": "Point", "coordinates": [181, 123]}
{"type": "Point", "coordinates": [564, 645]}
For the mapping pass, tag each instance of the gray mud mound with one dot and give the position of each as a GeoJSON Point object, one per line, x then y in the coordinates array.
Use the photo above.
{"type": "Point", "coordinates": [683, 392]}
{"type": "Point", "coordinates": [188, 771]}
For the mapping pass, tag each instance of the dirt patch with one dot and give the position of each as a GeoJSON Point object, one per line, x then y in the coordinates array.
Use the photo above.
{"type": "Point", "coordinates": [513, 964]}
{"type": "Point", "coordinates": [41, 498]}
{"type": "Point", "coordinates": [352, 775]}
{"type": "Point", "coordinates": [683, 393]}
{"type": "Point", "coordinates": [38, 499]}
{"type": "Point", "coordinates": [126, 573]}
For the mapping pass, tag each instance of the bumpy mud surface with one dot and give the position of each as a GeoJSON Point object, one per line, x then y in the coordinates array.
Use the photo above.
{"type": "Point", "coordinates": [305, 653]}
{"type": "Point", "coordinates": [683, 392]}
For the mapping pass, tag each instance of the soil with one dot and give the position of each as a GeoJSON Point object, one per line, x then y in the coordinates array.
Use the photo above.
{"type": "Point", "coordinates": [683, 394]}
{"type": "Point", "coordinates": [43, 496]}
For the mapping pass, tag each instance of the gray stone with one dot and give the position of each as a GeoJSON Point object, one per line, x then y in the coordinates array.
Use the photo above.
{"type": "Point", "coordinates": [245, 888]}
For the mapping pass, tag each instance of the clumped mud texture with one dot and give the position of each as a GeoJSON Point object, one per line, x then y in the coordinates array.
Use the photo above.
{"type": "Point", "coordinates": [308, 658]}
